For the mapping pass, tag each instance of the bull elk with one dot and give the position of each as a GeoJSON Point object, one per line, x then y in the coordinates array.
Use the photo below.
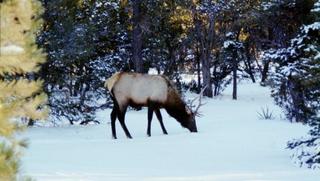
{"type": "Point", "coordinates": [152, 91]}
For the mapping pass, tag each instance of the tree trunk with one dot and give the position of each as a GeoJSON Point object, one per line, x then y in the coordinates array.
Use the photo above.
{"type": "Point", "coordinates": [198, 71]}
{"type": "Point", "coordinates": [215, 82]}
{"type": "Point", "coordinates": [247, 63]}
{"type": "Point", "coordinates": [204, 36]}
{"type": "Point", "coordinates": [234, 70]}
{"type": "Point", "coordinates": [298, 102]}
{"type": "Point", "coordinates": [206, 44]}
{"type": "Point", "coordinates": [171, 67]}
{"type": "Point", "coordinates": [206, 76]}
{"type": "Point", "coordinates": [250, 72]}
{"type": "Point", "coordinates": [265, 70]}
{"type": "Point", "coordinates": [137, 37]}
{"type": "Point", "coordinates": [30, 122]}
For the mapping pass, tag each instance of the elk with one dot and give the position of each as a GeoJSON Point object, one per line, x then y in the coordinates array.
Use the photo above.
{"type": "Point", "coordinates": [152, 91]}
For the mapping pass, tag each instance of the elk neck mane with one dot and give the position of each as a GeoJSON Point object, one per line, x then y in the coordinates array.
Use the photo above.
{"type": "Point", "coordinates": [176, 107]}
{"type": "Point", "coordinates": [112, 80]}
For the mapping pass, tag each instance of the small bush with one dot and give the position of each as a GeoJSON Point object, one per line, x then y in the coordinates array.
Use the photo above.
{"type": "Point", "coordinates": [265, 114]}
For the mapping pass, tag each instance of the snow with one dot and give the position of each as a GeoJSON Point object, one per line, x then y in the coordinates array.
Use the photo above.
{"type": "Point", "coordinates": [313, 26]}
{"type": "Point", "coordinates": [317, 56]}
{"type": "Point", "coordinates": [233, 144]}
{"type": "Point", "coordinates": [316, 7]}
{"type": "Point", "coordinates": [11, 50]}
{"type": "Point", "coordinates": [229, 34]}
{"type": "Point", "coordinates": [228, 43]}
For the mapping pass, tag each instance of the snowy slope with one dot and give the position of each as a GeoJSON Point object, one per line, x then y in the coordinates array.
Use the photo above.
{"type": "Point", "coordinates": [233, 144]}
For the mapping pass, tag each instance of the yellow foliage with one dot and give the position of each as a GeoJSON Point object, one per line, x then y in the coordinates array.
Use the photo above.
{"type": "Point", "coordinates": [18, 51]}
{"type": "Point", "coordinates": [243, 35]}
{"type": "Point", "coordinates": [19, 97]}
{"type": "Point", "coordinates": [182, 17]}
{"type": "Point", "coordinates": [18, 89]}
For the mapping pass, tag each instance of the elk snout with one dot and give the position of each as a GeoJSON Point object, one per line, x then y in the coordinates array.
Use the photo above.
{"type": "Point", "coordinates": [193, 127]}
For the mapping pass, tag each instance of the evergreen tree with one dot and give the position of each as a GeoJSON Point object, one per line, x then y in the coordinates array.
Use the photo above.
{"type": "Point", "coordinates": [296, 85]}
{"type": "Point", "coordinates": [86, 42]}
{"type": "Point", "coordinates": [279, 22]}
{"type": "Point", "coordinates": [233, 48]}
{"type": "Point", "coordinates": [166, 25]}
{"type": "Point", "coordinates": [215, 20]}
{"type": "Point", "coordinates": [20, 95]}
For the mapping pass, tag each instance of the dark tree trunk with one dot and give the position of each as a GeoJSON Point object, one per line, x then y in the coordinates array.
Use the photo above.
{"type": "Point", "coordinates": [30, 122]}
{"type": "Point", "coordinates": [205, 37]}
{"type": "Point", "coordinates": [298, 102]}
{"type": "Point", "coordinates": [171, 68]}
{"type": "Point", "coordinates": [206, 76]}
{"type": "Point", "coordinates": [234, 72]}
{"type": "Point", "coordinates": [265, 70]}
{"type": "Point", "coordinates": [255, 54]}
{"type": "Point", "coordinates": [199, 76]}
{"type": "Point", "coordinates": [206, 44]}
{"type": "Point", "coordinates": [137, 37]}
{"type": "Point", "coordinates": [247, 63]}
{"type": "Point", "coordinates": [250, 72]}
{"type": "Point", "coordinates": [198, 70]}
{"type": "Point", "coordinates": [215, 82]}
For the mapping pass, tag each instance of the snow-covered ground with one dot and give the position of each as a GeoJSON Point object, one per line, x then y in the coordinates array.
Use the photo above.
{"type": "Point", "coordinates": [233, 144]}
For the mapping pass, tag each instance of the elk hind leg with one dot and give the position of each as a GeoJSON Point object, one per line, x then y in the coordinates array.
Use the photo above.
{"type": "Point", "coordinates": [158, 114]}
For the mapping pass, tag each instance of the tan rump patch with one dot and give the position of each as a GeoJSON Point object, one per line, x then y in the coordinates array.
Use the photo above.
{"type": "Point", "coordinates": [112, 80]}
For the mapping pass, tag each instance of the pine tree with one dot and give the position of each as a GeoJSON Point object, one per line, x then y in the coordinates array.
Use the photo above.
{"type": "Point", "coordinates": [296, 85]}
{"type": "Point", "coordinates": [20, 96]}
{"type": "Point", "coordinates": [166, 24]}
{"type": "Point", "coordinates": [232, 48]}
{"type": "Point", "coordinates": [86, 42]}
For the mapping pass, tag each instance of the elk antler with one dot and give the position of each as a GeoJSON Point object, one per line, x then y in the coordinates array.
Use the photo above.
{"type": "Point", "coordinates": [195, 112]}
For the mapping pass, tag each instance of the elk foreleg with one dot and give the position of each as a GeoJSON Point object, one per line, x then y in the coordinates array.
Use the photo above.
{"type": "Point", "coordinates": [150, 114]}
{"type": "Point", "coordinates": [121, 117]}
{"type": "Point", "coordinates": [158, 114]}
{"type": "Point", "coordinates": [113, 122]}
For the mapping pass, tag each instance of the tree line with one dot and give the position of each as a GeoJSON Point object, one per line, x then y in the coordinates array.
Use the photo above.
{"type": "Point", "coordinates": [274, 42]}
{"type": "Point", "coordinates": [219, 41]}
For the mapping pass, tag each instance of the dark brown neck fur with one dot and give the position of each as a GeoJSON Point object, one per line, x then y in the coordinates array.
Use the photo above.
{"type": "Point", "coordinates": [176, 107]}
